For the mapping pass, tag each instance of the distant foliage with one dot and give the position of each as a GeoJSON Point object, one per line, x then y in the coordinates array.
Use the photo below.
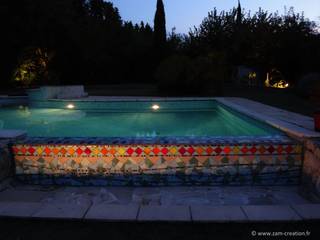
{"type": "Point", "coordinates": [309, 86]}
{"type": "Point", "coordinates": [90, 43]}
{"type": "Point", "coordinates": [32, 67]}
{"type": "Point", "coordinates": [262, 40]}
{"type": "Point", "coordinates": [192, 76]}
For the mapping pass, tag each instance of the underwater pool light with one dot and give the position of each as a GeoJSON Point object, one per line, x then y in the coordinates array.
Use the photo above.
{"type": "Point", "coordinates": [155, 107]}
{"type": "Point", "coordinates": [70, 106]}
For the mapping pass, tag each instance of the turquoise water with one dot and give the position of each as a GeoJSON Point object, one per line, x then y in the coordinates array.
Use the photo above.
{"type": "Point", "coordinates": [202, 121]}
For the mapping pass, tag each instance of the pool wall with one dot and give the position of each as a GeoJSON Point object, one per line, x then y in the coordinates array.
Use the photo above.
{"type": "Point", "coordinates": [13, 100]}
{"type": "Point", "coordinates": [6, 163]}
{"type": "Point", "coordinates": [225, 161]}
{"type": "Point", "coordinates": [114, 105]}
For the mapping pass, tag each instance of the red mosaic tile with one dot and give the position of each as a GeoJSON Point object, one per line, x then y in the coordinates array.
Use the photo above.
{"type": "Point", "coordinates": [190, 150]}
{"type": "Point", "coordinates": [23, 150]}
{"type": "Point", "coordinates": [164, 151]}
{"type": "Point", "coordinates": [63, 151]}
{"type": "Point", "coordinates": [104, 151]}
{"type": "Point", "coordinates": [279, 149]}
{"type": "Point", "coordinates": [138, 151]}
{"type": "Point", "coordinates": [289, 149]}
{"type": "Point", "coordinates": [47, 150]}
{"type": "Point", "coordinates": [253, 150]}
{"type": "Point", "coordinates": [79, 151]}
{"type": "Point", "coordinates": [271, 149]}
{"type": "Point", "coordinates": [113, 151]}
{"type": "Point", "coordinates": [15, 150]}
{"type": "Point", "coordinates": [31, 150]}
{"type": "Point", "coordinates": [56, 151]}
{"type": "Point", "coordinates": [218, 150]}
{"type": "Point", "coordinates": [156, 150]}
{"type": "Point", "coordinates": [130, 151]}
{"type": "Point", "coordinates": [182, 150]}
{"type": "Point", "coordinates": [244, 149]}
{"type": "Point", "coordinates": [199, 150]}
{"type": "Point", "coordinates": [87, 151]}
{"type": "Point", "coordinates": [227, 150]}
{"type": "Point", "coordinates": [209, 150]}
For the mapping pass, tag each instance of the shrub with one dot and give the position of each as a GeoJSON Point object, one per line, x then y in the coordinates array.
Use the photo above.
{"type": "Point", "coordinates": [181, 75]}
{"type": "Point", "coordinates": [32, 67]}
{"type": "Point", "coordinates": [309, 86]}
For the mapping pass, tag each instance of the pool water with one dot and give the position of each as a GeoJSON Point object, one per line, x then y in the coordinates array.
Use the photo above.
{"type": "Point", "coordinates": [209, 121]}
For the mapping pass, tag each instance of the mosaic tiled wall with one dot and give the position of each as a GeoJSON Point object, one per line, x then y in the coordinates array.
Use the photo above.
{"type": "Point", "coordinates": [96, 163]}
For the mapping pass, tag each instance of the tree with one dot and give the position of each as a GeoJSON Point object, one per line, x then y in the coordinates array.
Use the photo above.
{"type": "Point", "coordinates": [160, 34]}
{"type": "Point", "coordinates": [239, 14]}
{"type": "Point", "coordinates": [32, 67]}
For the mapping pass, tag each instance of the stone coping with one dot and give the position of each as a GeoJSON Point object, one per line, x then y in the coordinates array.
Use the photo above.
{"type": "Point", "coordinates": [12, 97]}
{"type": "Point", "coordinates": [171, 213]}
{"type": "Point", "coordinates": [133, 99]}
{"type": "Point", "coordinates": [293, 124]}
{"type": "Point", "coordinates": [12, 134]}
{"type": "Point", "coordinates": [252, 140]}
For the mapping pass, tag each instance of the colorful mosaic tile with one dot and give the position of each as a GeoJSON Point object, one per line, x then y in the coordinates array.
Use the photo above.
{"type": "Point", "coordinates": [244, 161]}
{"type": "Point", "coordinates": [153, 150]}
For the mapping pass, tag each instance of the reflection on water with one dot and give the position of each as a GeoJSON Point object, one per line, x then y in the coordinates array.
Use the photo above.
{"type": "Point", "coordinates": [148, 134]}
{"type": "Point", "coordinates": [47, 116]}
{"type": "Point", "coordinates": [1, 124]}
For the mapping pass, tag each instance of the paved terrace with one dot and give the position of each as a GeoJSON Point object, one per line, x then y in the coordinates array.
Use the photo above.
{"type": "Point", "coordinates": [217, 204]}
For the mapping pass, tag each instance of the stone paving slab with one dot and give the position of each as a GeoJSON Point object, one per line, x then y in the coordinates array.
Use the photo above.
{"type": "Point", "coordinates": [270, 213]}
{"type": "Point", "coordinates": [12, 195]}
{"type": "Point", "coordinates": [18, 209]}
{"type": "Point", "coordinates": [217, 213]}
{"type": "Point", "coordinates": [308, 211]}
{"type": "Point", "coordinates": [61, 211]}
{"type": "Point", "coordinates": [113, 212]}
{"type": "Point", "coordinates": [164, 213]}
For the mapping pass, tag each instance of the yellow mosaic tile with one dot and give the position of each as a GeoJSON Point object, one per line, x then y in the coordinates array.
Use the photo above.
{"type": "Point", "coordinates": [173, 150]}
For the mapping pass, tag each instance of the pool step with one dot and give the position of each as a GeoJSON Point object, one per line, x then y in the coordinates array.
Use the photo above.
{"type": "Point", "coordinates": [211, 161]}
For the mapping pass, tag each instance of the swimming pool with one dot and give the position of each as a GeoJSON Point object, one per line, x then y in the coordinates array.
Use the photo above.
{"type": "Point", "coordinates": [148, 143]}
{"type": "Point", "coordinates": [134, 119]}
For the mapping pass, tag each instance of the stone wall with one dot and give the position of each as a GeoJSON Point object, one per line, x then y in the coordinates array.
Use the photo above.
{"type": "Point", "coordinates": [6, 163]}
{"type": "Point", "coordinates": [311, 166]}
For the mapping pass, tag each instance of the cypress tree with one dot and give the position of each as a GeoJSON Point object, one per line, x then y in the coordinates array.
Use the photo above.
{"type": "Point", "coordinates": [160, 34]}
{"type": "Point", "coordinates": [239, 13]}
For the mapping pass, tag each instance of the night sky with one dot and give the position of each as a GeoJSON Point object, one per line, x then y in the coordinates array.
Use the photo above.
{"type": "Point", "coordinates": [184, 14]}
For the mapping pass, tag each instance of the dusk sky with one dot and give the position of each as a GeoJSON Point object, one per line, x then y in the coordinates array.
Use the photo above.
{"type": "Point", "coordinates": [184, 14]}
